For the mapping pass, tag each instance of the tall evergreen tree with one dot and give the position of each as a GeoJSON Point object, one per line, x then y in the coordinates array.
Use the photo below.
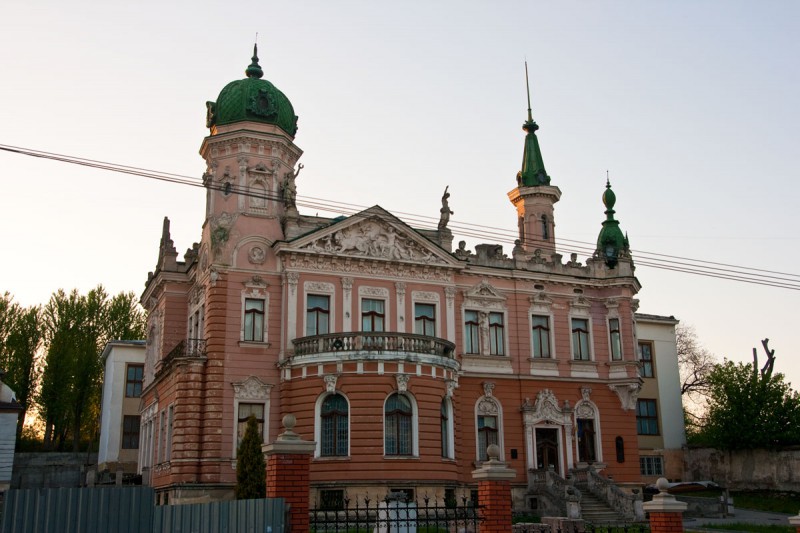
{"type": "Point", "coordinates": [251, 470]}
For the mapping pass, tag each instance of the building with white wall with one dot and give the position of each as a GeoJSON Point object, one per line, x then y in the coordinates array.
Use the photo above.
{"type": "Point", "coordinates": [120, 421]}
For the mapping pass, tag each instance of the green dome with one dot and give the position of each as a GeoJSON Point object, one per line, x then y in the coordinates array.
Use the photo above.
{"type": "Point", "coordinates": [252, 99]}
{"type": "Point", "coordinates": [611, 243]}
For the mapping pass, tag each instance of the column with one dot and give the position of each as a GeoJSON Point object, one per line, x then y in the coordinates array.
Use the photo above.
{"type": "Point", "coordinates": [288, 463]}
{"type": "Point", "coordinates": [494, 492]}
{"type": "Point", "coordinates": [666, 513]}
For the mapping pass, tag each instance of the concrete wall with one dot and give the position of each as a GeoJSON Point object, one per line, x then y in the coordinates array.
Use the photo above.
{"type": "Point", "coordinates": [745, 469]}
{"type": "Point", "coordinates": [51, 470]}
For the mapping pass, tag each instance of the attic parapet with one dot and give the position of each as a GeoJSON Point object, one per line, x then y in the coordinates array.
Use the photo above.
{"type": "Point", "coordinates": [492, 255]}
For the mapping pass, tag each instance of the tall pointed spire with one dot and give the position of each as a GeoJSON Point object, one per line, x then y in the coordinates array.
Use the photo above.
{"type": "Point", "coordinates": [533, 172]}
{"type": "Point", "coordinates": [254, 69]}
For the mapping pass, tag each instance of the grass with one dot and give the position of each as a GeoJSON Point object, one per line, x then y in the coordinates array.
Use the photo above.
{"type": "Point", "coordinates": [750, 528]}
{"type": "Point", "coordinates": [758, 500]}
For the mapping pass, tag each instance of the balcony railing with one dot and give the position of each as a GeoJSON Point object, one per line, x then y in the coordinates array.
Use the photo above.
{"type": "Point", "coordinates": [374, 342]}
{"type": "Point", "coordinates": [188, 348]}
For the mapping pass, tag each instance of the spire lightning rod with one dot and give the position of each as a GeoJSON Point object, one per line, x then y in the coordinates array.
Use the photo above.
{"type": "Point", "coordinates": [528, 87]}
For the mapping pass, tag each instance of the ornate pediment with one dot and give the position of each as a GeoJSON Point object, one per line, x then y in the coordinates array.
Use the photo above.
{"type": "Point", "coordinates": [251, 388]}
{"type": "Point", "coordinates": [373, 234]}
{"type": "Point", "coordinates": [545, 409]}
{"type": "Point", "coordinates": [484, 295]}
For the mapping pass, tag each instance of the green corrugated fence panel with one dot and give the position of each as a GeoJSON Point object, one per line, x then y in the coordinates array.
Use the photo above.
{"type": "Point", "coordinates": [79, 510]}
{"type": "Point", "coordinates": [243, 516]}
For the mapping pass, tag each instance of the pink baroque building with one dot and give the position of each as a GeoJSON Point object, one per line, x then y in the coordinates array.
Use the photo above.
{"type": "Point", "coordinates": [401, 358]}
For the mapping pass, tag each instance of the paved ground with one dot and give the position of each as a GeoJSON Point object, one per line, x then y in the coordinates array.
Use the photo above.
{"type": "Point", "coordinates": [742, 516]}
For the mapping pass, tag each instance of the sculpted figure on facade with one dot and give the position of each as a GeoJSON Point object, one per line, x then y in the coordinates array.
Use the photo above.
{"type": "Point", "coordinates": [257, 255]}
{"type": "Point", "coordinates": [445, 212]}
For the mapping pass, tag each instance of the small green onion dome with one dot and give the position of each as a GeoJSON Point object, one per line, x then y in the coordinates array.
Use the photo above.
{"type": "Point", "coordinates": [611, 243]}
{"type": "Point", "coordinates": [252, 99]}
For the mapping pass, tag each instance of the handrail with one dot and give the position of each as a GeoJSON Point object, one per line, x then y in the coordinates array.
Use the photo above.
{"type": "Point", "coordinates": [628, 504]}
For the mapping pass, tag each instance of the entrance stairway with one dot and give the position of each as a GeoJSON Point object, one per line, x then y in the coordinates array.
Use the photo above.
{"type": "Point", "coordinates": [596, 511]}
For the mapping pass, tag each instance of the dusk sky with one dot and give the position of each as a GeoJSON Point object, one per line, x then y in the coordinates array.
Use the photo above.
{"type": "Point", "coordinates": [692, 108]}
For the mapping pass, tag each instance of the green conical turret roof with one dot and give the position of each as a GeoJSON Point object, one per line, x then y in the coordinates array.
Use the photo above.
{"type": "Point", "coordinates": [533, 172]}
{"type": "Point", "coordinates": [252, 99]}
{"type": "Point", "coordinates": [611, 242]}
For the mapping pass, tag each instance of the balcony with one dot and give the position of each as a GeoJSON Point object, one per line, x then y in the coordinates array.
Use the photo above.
{"type": "Point", "coordinates": [186, 349]}
{"type": "Point", "coordinates": [371, 345]}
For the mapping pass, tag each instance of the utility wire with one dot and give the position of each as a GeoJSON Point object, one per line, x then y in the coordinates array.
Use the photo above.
{"type": "Point", "coordinates": [643, 258]}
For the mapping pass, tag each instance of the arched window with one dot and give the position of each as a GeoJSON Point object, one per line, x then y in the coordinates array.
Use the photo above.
{"type": "Point", "coordinates": [334, 426]}
{"type": "Point", "coordinates": [545, 229]}
{"type": "Point", "coordinates": [398, 425]}
{"type": "Point", "coordinates": [487, 434]}
{"type": "Point", "coordinates": [586, 441]}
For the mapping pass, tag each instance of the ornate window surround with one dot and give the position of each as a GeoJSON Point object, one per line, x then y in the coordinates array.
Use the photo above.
{"type": "Point", "coordinates": [586, 409]}
{"type": "Point", "coordinates": [485, 299]}
{"type": "Point", "coordinates": [249, 390]}
{"type": "Point", "coordinates": [613, 314]}
{"type": "Point", "coordinates": [488, 405]}
{"type": "Point", "coordinates": [255, 289]}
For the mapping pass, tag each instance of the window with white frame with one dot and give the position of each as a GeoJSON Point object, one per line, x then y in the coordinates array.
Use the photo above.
{"type": "Point", "coordinates": [488, 422]}
{"type": "Point", "coordinates": [398, 425]}
{"type": "Point", "coordinates": [255, 304]}
{"type": "Point", "coordinates": [318, 310]}
{"type": "Point", "coordinates": [615, 339]}
{"type": "Point", "coordinates": [253, 320]}
{"type": "Point", "coordinates": [373, 314]}
{"type": "Point", "coordinates": [587, 447]}
{"type": "Point", "coordinates": [646, 359]}
{"type": "Point", "coordinates": [334, 426]}
{"type": "Point", "coordinates": [487, 434]}
{"type": "Point", "coordinates": [580, 339]}
{"type": "Point", "coordinates": [425, 319]}
{"type": "Point", "coordinates": [541, 336]}
{"type": "Point", "coordinates": [471, 332]}
{"type": "Point", "coordinates": [496, 334]}
{"type": "Point", "coordinates": [250, 397]}
{"type": "Point", "coordinates": [246, 410]}
{"type": "Point", "coordinates": [651, 465]}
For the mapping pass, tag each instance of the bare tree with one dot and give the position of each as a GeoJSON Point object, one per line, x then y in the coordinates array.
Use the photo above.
{"type": "Point", "coordinates": [695, 362]}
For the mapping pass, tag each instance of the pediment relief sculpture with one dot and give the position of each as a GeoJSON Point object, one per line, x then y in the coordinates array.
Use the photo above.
{"type": "Point", "coordinates": [374, 238]}
{"type": "Point", "coordinates": [251, 388]}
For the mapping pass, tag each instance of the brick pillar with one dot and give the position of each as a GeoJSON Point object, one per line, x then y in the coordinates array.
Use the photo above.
{"type": "Point", "coordinates": [288, 464]}
{"type": "Point", "coordinates": [494, 493]}
{"type": "Point", "coordinates": [666, 513]}
{"type": "Point", "coordinates": [795, 521]}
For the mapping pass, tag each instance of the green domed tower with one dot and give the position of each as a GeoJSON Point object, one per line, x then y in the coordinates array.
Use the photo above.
{"type": "Point", "coordinates": [611, 243]}
{"type": "Point", "coordinates": [252, 99]}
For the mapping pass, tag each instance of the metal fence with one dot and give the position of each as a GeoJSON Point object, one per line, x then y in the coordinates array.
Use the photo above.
{"type": "Point", "coordinates": [133, 510]}
{"type": "Point", "coordinates": [394, 514]}
{"type": "Point", "coordinates": [582, 528]}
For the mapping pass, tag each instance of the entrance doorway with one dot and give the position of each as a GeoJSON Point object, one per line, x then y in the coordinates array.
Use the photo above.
{"type": "Point", "coordinates": [547, 449]}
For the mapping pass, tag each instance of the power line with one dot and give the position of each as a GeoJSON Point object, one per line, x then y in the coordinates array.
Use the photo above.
{"type": "Point", "coordinates": [656, 260]}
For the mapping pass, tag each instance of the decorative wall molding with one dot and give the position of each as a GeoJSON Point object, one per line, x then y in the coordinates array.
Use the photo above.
{"type": "Point", "coordinates": [330, 382]}
{"type": "Point", "coordinates": [628, 394]}
{"type": "Point", "coordinates": [251, 388]}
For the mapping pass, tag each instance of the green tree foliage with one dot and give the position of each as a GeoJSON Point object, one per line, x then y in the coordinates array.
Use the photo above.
{"type": "Point", "coordinates": [20, 340]}
{"type": "Point", "coordinates": [76, 329]}
{"type": "Point", "coordinates": [748, 408]}
{"type": "Point", "coordinates": [251, 471]}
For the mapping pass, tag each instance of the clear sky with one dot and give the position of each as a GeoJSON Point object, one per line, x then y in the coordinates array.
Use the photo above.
{"type": "Point", "coordinates": [692, 107]}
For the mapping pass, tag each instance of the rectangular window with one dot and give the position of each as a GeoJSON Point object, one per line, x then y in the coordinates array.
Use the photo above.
{"type": "Point", "coordinates": [253, 320]}
{"type": "Point", "coordinates": [646, 417]}
{"type": "Point", "coordinates": [130, 432]}
{"type": "Point", "coordinates": [496, 334]}
{"type": "Point", "coordinates": [331, 500]}
{"type": "Point", "coordinates": [133, 381]}
{"type": "Point", "coordinates": [646, 359]}
{"type": "Point", "coordinates": [425, 319]}
{"type": "Point", "coordinates": [162, 444]}
{"type": "Point", "coordinates": [317, 314]}
{"type": "Point", "coordinates": [245, 410]}
{"type": "Point", "coordinates": [487, 434]}
{"type": "Point", "coordinates": [580, 339]}
{"type": "Point", "coordinates": [541, 336]}
{"type": "Point", "coordinates": [471, 332]}
{"type": "Point", "coordinates": [616, 339]}
{"type": "Point", "coordinates": [651, 465]}
{"type": "Point", "coordinates": [372, 315]}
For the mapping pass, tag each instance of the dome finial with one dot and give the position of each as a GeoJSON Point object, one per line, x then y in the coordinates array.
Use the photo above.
{"type": "Point", "coordinates": [533, 173]}
{"type": "Point", "coordinates": [254, 69]}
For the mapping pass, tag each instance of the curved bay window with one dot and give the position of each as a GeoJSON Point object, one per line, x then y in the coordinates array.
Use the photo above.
{"type": "Point", "coordinates": [444, 418]}
{"type": "Point", "coordinates": [334, 426]}
{"type": "Point", "coordinates": [425, 319]}
{"type": "Point", "coordinates": [398, 427]}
